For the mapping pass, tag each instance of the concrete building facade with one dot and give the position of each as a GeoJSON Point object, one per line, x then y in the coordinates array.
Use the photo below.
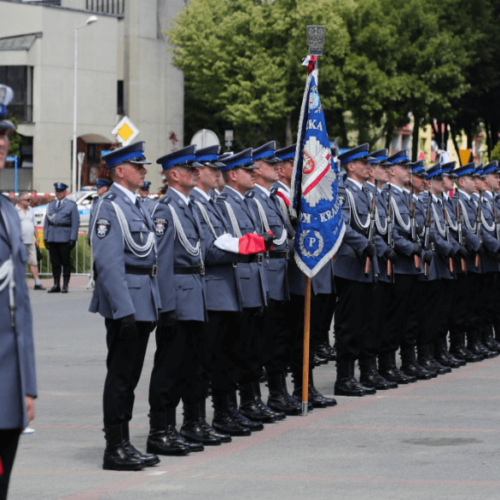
{"type": "Point", "coordinates": [124, 68]}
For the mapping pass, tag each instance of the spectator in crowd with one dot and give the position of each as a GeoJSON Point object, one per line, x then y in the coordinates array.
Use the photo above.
{"type": "Point", "coordinates": [30, 236]}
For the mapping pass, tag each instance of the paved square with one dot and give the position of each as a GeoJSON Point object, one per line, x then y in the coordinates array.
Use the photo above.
{"type": "Point", "coordinates": [434, 439]}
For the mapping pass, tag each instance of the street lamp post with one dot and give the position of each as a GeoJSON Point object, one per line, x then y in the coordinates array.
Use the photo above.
{"type": "Point", "coordinates": [90, 20]}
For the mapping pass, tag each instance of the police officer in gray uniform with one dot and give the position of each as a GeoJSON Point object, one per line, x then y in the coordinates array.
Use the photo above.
{"type": "Point", "coordinates": [223, 253]}
{"type": "Point", "coordinates": [102, 187]}
{"type": "Point", "coordinates": [126, 293]}
{"type": "Point", "coordinates": [60, 232]}
{"type": "Point", "coordinates": [143, 193]}
{"type": "Point", "coordinates": [17, 369]}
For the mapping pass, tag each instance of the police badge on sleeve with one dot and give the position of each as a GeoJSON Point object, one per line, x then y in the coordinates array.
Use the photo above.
{"type": "Point", "coordinates": [160, 226]}
{"type": "Point", "coordinates": [102, 228]}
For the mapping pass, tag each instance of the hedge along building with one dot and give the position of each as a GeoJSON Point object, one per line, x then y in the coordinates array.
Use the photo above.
{"type": "Point", "coordinates": [123, 69]}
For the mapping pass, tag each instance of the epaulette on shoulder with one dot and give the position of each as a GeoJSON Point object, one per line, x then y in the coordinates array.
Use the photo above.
{"type": "Point", "coordinates": [110, 196]}
{"type": "Point", "coordinates": [165, 200]}
{"type": "Point", "coordinates": [250, 194]}
{"type": "Point", "coordinates": [221, 197]}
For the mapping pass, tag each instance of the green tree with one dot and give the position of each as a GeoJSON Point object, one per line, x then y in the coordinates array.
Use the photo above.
{"type": "Point", "coordinates": [15, 141]}
{"type": "Point", "coordinates": [242, 62]}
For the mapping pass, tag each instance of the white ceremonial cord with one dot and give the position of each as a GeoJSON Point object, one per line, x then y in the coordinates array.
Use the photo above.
{"type": "Point", "coordinates": [135, 248]}
{"type": "Point", "coordinates": [441, 229]}
{"type": "Point", "coordinates": [381, 229]}
{"type": "Point", "coordinates": [233, 220]}
{"type": "Point", "coordinates": [489, 228]}
{"type": "Point", "coordinates": [265, 223]}
{"type": "Point", "coordinates": [352, 210]}
{"type": "Point", "coordinates": [466, 218]}
{"type": "Point", "coordinates": [405, 226]}
{"type": "Point", "coordinates": [284, 209]}
{"type": "Point", "coordinates": [206, 218]}
{"type": "Point", "coordinates": [179, 231]}
{"type": "Point", "coordinates": [7, 276]}
{"type": "Point", "coordinates": [450, 222]}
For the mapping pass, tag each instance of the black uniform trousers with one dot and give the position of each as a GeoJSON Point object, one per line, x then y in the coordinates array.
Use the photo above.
{"type": "Point", "coordinates": [353, 315]}
{"type": "Point", "coordinates": [277, 338]}
{"type": "Point", "coordinates": [397, 310]}
{"type": "Point", "coordinates": [9, 439]}
{"type": "Point", "coordinates": [376, 332]}
{"type": "Point", "coordinates": [322, 322]}
{"type": "Point", "coordinates": [178, 366]}
{"type": "Point", "coordinates": [464, 311]}
{"type": "Point", "coordinates": [124, 364]}
{"type": "Point", "coordinates": [219, 336]}
{"type": "Point", "coordinates": [60, 256]}
{"type": "Point", "coordinates": [447, 301]}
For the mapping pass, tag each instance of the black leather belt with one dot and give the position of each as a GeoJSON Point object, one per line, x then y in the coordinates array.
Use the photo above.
{"type": "Point", "coordinates": [200, 269]}
{"type": "Point", "coordinates": [56, 224]}
{"type": "Point", "coordinates": [143, 270]}
{"type": "Point", "coordinates": [278, 254]}
{"type": "Point", "coordinates": [248, 259]}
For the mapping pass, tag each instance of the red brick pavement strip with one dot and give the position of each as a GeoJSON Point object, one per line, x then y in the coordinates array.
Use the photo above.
{"type": "Point", "coordinates": [75, 282]}
{"type": "Point", "coordinates": [181, 466]}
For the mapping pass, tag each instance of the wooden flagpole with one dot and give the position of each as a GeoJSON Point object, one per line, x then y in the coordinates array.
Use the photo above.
{"type": "Point", "coordinates": [305, 362]}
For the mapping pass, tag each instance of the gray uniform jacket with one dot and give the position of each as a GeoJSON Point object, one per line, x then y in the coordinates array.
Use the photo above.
{"type": "Point", "coordinates": [223, 287]}
{"type": "Point", "coordinates": [491, 244]}
{"type": "Point", "coordinates": [276, 269]}
{"type": "Point", "coordinates": [61, 224]}
{"type": "Point", "coordinates": [349, 262]}
{"type": "Point", "coordinates": [252, 275]}
{"type": "Point", "coordinates": [183, 292]}
{"type": "Point", "coordinates": [118, 293]}
{"type": "Point", "coordinates": [148, 203]}
{"type": "Point", "coordinates": [17, 355]}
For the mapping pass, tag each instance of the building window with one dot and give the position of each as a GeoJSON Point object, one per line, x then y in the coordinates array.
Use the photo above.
{"type": "Point", "coordinates": [20, 78]}
{"type": "Point", "coordinates": [108, 6]}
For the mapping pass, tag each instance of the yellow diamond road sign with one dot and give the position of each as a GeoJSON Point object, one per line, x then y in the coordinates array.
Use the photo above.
{"type": "Point", "coordinates": [125, 131]}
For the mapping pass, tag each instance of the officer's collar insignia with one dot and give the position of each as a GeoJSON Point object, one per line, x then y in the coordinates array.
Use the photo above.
{"type": "Point", "coordinates": [274, 190]}
{"type": "Point", "coordinates": [250, 194]}
{"type": "Point", "coordinates": [110, 196]}
{"type": "Point", "coordinates": [160, 226]}
{"type": "Point", "coordinates": [102, 228]}
{"type": "Point", "coordinates": [222, 197]}
{"type": "Point", "coordinates": [165, 199]}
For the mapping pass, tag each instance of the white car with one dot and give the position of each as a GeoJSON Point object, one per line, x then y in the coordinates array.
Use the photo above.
{"type": "Point", "coordinates": [83, 199]}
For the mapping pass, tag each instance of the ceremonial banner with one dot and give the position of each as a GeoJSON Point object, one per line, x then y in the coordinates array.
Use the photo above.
{"type": "Point", "coordinates": [314, 187]}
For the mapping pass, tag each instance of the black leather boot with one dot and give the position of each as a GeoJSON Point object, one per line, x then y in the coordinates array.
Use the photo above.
{"type": "Point", "coordinates": [370, 377]}
{"type": "Point", "coordinates": [162, 438]}
{"type": "Point", "coordinates": [291, 399]}
{"type": "Point", "coordinates": [192, 430]}
{"type": "Point", "coordinates": [224, 438]}
{"type": "Point", "coordinates": [279, 415]}
{"type": "Point", "coordinates": [489, 340]}
{"type": "Point", "coordinates": [391, 372]}
{"type": "Point", "coordinates": [238, 417]}
{"type": "Point", "coordinates": [424, 360]}
{"type": "Point", "coordinates": [323, 351]}
{"type": "Point", "coordinates": [316, 396]}
{"type": "Point", "coordinates": [443, 357]}
{"type": "Point", "coordinates": [411, 368]}
{"type": "Point", "coordinates": [116, 455]}
{"type": "Point", "coordinates": [149, 459]}
{"type": "Point", "coordinates": [65, 284]}
{"type": "Point", "coordinates": [458, 349]}
{"type": "Point", "coordinates": [473, 346]}
{"type": "Point", "coordinates": [354, 380]}
{"type": "Point", "coordinates": [57, 285]}
{"type": "Point", "coordinates": [223, 422]}
{"type": "Point", "coordinates": [487, 352]}
{"type": "Point", "coordinates": [344, 385]}
{"type": "Point", "coordinates": [277, 400]}
{"type": "Point", "coordinates": [249, 407]}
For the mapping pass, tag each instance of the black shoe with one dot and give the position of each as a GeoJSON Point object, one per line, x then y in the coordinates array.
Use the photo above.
{"type": "Point", "coordinates": [461, 353]}
{"type": "Point", "coordinates": [453, 359]}
{"type": "Point", "coordinates": [116, 455]}
{"type": "Point", "coordinates": [395, 375]}
{"type": "Point", "coordinates": [65, 284]}
{"type": "Point", "coordinates": [368, 390]}
{"type": "Point", "coordinates": [315, 395]}
{"type": "Point", "coordinates": [323, 351]}
{"type": "Point", "coordinates": [417, 371]}
{"type": "Point", "coordinates": [490, 344]}
{"type": "Point", "coordinates": [223, 422]}
{"type": "Point", "coordinates": [345, 387]}
{"type": "Point", "coordinates": [332, 353]}
{"type": "Point", "coordinates": [438, 368]}
{"type": "Point", "coordinates": [39, 287]}
{"type": "Point", "coordinates": [474, 348]}
{"type": "Point", "coordinates": [487, 353]}
{"type": "Point", "coordinates": [444, 360]}
{"type": "Point", "coordinates": [374, 380]}
{"type": "Point", "coordinates": [148, 459]}
{"type": "Point", "coordinates": [278, 415]}
{"type": "Point", "coordinates": [192, 431]}
{"type": "Point", "coordinates": [240, 419]}
{"type": "Point", "coordinates": [427, 365]}
{"type": "Point", "coordinates": [280, 403]}
{"type": "Point", "coordinates": [55, 289]}
{"type": "Point", "coordinates": [163, 439]}
{"type": "Point", "coordinates": [222, 436]}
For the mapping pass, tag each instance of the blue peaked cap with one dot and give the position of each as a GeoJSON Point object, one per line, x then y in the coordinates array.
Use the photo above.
{"type": "Point", "coordinates": [448, 168]}
{"type": "Point", "coordinates": [379, 157]}
{"type": "Point", "coordinates": [418, 168]}
{"type": "Point", "coordinates": [185, 157]}
{"type": "Point", "coordinates": [479, 170]}
{"type": "Point", "coordinates": [400, 158]}
{"type": "Point", "coordinates": [359, 153]}
{"type": "Point", "coordinates": [239, 160]}
{"type": "Point", "coordinates": [491, 168]}
{"type": "Point", "coordinates": [209, 156]}
{"type": "Point", "coordinates": [287, 154]}
{"type": "Point", "coordinates": [133, 153]}
{"type": "Point", "coordinates": [146, 185]}
{"type": "Point", "coordinates": [266, 153]}
{"type": "Point", "coordinates": [468, 169]}
{"type": "Point", "coordinates": [102, 182]}
{"type": "Point", "coordinates": [60, 186]}
{"type": "Point", "coordinates": [435, 172]}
